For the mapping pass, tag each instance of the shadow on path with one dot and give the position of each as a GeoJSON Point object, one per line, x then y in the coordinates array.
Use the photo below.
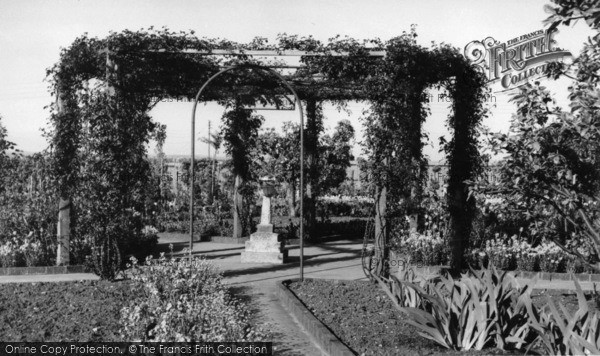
{"type": "Point", "coordinates": [307, 274]}
{"type": "Point", "coordinates": [292, 265]}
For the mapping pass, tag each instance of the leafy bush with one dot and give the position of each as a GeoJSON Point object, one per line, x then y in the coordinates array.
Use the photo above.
{"type": "Point", "coordinates": [399, 290]}
{"type": "Point", "coordinates": [356, 206]}
{"type": "Point", "coordinates": [209, 224]}
{"type": "Point", "coordinates": [8, 253]}
{"type": "Point", "coordinates": [184, 300]}
{"type": "Point", "coordinates": [208, 221]}
{"type": "Point", "coordinates": [27, 212]}
{"type": "Point", "coordinates": [345, 227]}
{"type": "Point", "coordinates": [490, 309]}
{"type": "Point", "coordinates": [563, 333]}
{"type": "Point", "coordinates": [482, 309]}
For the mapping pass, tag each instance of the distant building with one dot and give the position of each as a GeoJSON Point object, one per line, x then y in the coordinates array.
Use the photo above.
{"type": "Point", "coordinates": [353, 175]}
{"type": "Point", "coordinates": [173, 171]}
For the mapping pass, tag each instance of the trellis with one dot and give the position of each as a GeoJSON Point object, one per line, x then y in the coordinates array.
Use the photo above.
{"type": "Point", "coordinates": [138, 67]}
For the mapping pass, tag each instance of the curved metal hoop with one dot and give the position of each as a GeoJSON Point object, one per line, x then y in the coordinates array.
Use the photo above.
{"type": "Point", "coordinates": [193, 153]}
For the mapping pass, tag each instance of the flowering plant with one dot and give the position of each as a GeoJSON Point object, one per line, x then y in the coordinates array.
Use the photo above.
{"type": "Point", "coordinates": [8, 253]}
{"type": "Point", "coordinates": [501, 253]}
{"type": "Point", "coordinates": [30, 250]}
{"type": "Point", "coordinates": [149, 231]}
{"type": "Point", "coordinates": [427, 248]}
{"type": "Point", "coordinates": [508, 254]}
{"type": "Point", "coordinates": [16, 252]}
{"type": "Point", "coordinates": [552, 258]}
{"type": "Point", "coordinates": [183, 300]}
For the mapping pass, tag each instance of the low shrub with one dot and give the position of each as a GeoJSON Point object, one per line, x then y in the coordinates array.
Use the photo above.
{"type": "Point", "coordinates": [27, 211]}
{"type": "Point", "coordinates": [563, 333]}
{"type": "Point", "coordinates": [356, 206]}
{"type": "Point", "coordinates": [186, 301]}
{"type": "Point", "coordinates": [482, 309]}
{"type": "Point", "coordinates": [206, 223]}
{"type": "Point", "coordinates": [352, 228]}
{"type": "Point", "coordinates": [399, 289]}
{"type": "Point", "coordinates": [22, 252]}
{"type": "Point", "coordinates": [209, 224]}
{"type": "Point", "coordinates": [345, 227]}
{"type": "Point", "coordinates": [490, 309]}
{"type": "Point", "coordinates": [8, 253]}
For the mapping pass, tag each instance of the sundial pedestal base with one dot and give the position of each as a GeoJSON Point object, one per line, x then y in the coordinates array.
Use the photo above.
{"type": "Point", "coordinates": [264, 247]}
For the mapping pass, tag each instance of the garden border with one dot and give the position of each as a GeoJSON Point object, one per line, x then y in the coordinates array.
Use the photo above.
{"type": "Point", "coordinates": [40, 270]}
{"type": "Point", "coordinates": [322, 335]}
{"type": "Point", "coordinates": [541, 276]}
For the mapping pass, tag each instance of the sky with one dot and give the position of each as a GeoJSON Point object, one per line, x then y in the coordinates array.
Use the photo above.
{"type": "Point", "coordinates": [32, 32]}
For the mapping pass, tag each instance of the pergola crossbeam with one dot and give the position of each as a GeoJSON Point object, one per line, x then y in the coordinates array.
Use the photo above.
{"type": "Point", "coordinates": [265, 53]}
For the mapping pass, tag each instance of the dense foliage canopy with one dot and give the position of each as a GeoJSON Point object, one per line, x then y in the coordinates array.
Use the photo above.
{"type": "Point", "coordinates": [127, 73]}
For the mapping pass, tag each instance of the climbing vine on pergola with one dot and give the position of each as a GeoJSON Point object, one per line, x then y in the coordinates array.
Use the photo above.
{"type": "Point", "coordinates": [118, 79]}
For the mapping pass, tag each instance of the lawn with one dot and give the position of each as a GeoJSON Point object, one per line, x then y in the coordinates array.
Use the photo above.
{"type": "Point", "coordinates": [67, 311]}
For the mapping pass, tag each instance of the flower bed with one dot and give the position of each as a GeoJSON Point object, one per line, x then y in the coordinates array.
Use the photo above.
{"type": "Point", "coordinates": [66, 311]}
{"type": "Point", "coordinates": [363, 317]}
{"type": "Point", "coordinates": [513, 253]}
{"type": "Point", "coordinates": [164, 301]}
{"type": "Point", "coordinates": [508, 254]}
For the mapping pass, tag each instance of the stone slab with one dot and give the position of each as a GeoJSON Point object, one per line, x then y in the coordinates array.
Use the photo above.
{"type": "Point", "coordinates": [264, 242]}
{"type": "Point", "coordinates": [264, 257]}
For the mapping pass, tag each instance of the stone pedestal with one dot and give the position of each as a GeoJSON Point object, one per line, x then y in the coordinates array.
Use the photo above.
{"type": "Point", "coordinates": [264, 245]}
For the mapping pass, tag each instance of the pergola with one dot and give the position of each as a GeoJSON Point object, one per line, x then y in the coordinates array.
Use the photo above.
{"type": "Point", "coordinates": [136, 68]}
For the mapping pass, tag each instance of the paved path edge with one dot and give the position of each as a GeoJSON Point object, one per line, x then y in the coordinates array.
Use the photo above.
{"type": "Point", "coordinates": [321, 334]}
{"type": "Point", "coordinates": [42, 270]}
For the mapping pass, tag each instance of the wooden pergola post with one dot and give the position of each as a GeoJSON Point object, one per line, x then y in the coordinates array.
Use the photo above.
{"type": "Point", "coordinates": [381, 248]}
{"type": "Point", "coordinates": [63, 230]}
{"type": "Point", "coordinates": [312, 159]}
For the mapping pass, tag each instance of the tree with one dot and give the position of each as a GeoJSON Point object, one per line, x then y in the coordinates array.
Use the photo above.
{"type": "Point", "coordinates": [279, 158]}
{"type": "Point", "coordinates": [215, 141]}
{"type": "Point", "coordinates": [552, 167]}
{"type": "Point", "coordinates": [5, 144]}
{"type": "Point", "coordinates": [336, 154]}
{"type": "Point", "coordinates": [113, 182]}
{"type": "Point", "coordinates": [5, 147]}
{"type": "Point", "coordinates": [240, 132]}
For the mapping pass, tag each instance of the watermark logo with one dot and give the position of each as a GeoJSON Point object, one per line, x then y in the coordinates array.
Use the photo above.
{"type": "Point", "coordinates": [516, 61]}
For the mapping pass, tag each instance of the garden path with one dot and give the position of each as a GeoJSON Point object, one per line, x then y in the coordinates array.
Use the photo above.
{"type": "Point", "coordinates": [256, 282]}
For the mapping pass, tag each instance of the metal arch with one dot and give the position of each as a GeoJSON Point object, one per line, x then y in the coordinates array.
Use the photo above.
{"type": "Point", "coordinates": [193, 153]}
